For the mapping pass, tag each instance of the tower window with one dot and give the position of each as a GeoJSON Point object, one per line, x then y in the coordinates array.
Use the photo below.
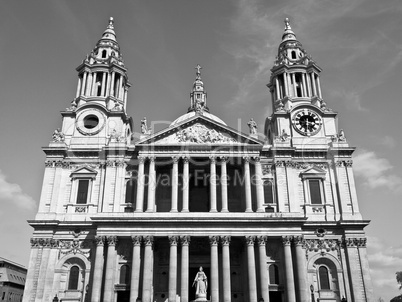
{"type": "Point", "coordinates": [324, 277]}
{"type": "Point", "coordinates": [91, 121]}
{"type": "Point", "coordinates": [73, 277]}
{"type": "Point", "coordinates": [104, 54]}
{"type": "Point", "coordinates": [82, 194]}
{"type": "Point", "coordinates": [293, 54]}
{"type": "Point", "coordinates": [315, 191]}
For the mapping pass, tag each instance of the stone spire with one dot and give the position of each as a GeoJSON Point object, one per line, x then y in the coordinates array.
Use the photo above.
{"type": "Point", "coordinates": [198, 95]}
{"type": "Point", "coordinates": [102, 75]}
{"type": "Point", "coordinates": [288, 33]}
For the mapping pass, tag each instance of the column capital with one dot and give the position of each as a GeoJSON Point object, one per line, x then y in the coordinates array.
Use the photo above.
{"type": "Point", "coordinates": [299, 240]}
{"type": "Point", "coordinates": [246, 159]}
{"type": "Point", "coordinates": [225, 240]}
{"type": "Point", "coordinates": [148, 240]}
{"type": "Point", "coordinates": [262, 240]}
{"type": "Point", "coordinates": [223, 159]}
{"type": "Point", "coordinates": [151, 159]}
{"type": "Point", "coordinates": [213, 240]}
{"type": "Point", "coordinates": [111, 240]}
{"type": "Point", "coordinates": [250, 240]}
{"type": "Point", "coordinates": [186, 159]}
{"type": "Point", "coordinates": [99, 240]}
{"type": "Point", "coordinates": [175, 159]}
{"type": "Point", "coordinates": [286, 240]}
{"type": "Point", "coordinates": [185, 240]}
{"type": "Point", "coordinates": [212, 159]}
{"type": "Point", "coordinates": [141, 159]}
{"type": "Point", "coordinates": [257, 159]}
{"type": "Point", "coordinates": [173, 240]}
{"type": "Point", "coordinates": [136, 239]}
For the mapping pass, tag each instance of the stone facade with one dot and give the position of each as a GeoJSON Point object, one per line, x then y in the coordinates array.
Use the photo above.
{"type": "Point", "coordinates": [272, 216]}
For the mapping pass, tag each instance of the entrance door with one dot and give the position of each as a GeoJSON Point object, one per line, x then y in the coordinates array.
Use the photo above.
{"type": "Point", "coordinates": [123, 296]}
{"type": "Point", "coordinates": [193, 273]}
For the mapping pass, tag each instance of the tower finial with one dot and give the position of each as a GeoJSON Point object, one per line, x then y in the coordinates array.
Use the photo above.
{"type": "Point", "coordinates": [287, 24]}
{"type": "Point", "coordinates": [198, 73]}
{"type": "Point", "coordinates": [111, 23]}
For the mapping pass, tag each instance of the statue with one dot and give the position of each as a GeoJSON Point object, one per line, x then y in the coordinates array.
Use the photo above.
{"type": "Point", "coordinates": [199, 105]}
{"type": "Point", "coordinates": [58, 136]}
{"type": "Point", "coordinates": [341, 136]}
{"type": "Point", "coordinates": [201, 284]}
{"type": "Point", "coordinates": [144, 127]}
{"type": "Point", "coordinates": [253, 126]}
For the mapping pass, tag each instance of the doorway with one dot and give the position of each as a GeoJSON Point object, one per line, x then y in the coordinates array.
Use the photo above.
{"type": "Point", "coordinates": [123, 296]}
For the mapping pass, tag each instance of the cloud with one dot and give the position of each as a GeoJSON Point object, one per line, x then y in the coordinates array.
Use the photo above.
{"type": "Point", "coordinates": [376, 171]}
{"type": "Point", "coordinates": [384, 262]}
{"type": "Point", "coordinates": [387, 141]}
{"type": "Point", "coordinates": [12, 193]}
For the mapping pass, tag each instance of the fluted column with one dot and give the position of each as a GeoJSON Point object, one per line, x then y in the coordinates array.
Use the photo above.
{"type": "Point", "coordinates": [185, 242]}
{"type": "Point", "coordinates": [175, 183]}
{"type": "Point", "coordinates": [259, 185]}
{"type": "Point", "coordinates": [84, 83]}
{"type": "Point", "coordinates": [108, 294]}
{"type": "Point", "coordinates": [247, 183]}
{"type": "Point", "coordinates": [109, 75]}
{"type": "Point", "coordinates": [319, 87]}
{"type": "Point", "coordinates": [314, 86]}
{"type": "Point", "coordinates": [213, 240]}
{"type": "Point", "coordinates": [186, 183]}
{"type": "Point", "coordinates": [93, 85]}
{"type": "Point", "coordinates": [173, 268]}
{"type": "Point", "coordinates": [139, 203]}
{"type": "Point", "coordinates": [226, 268]}
{"type": "Point", "coordinates": [285, 80]}
{"type": "Point", "coordinates": [212, 182]}
{"type": "Point", "coordinates": [301, 269]}
{"type": "Point", "coordinates": [151, 185]}
{"type": "Point", "coordinates": [112, 83]}
{"type": "Point", "coordinates": [304, 85]}
{"type": "Point", "coordinates": [89, 86]}
{"type": "Point", "coordinates": [148, 269]}
{"type": "Point", "coordinates": [290, 283]}
{"type": "Point", "coordinates": [224, 185]}
{"type": "Point", "coordinates": [98, 269]}
{"type": "Point", "coordinates": [252, 281]}
{"type": "Point", "coordinates": [103, 88]}
{"type": "Point", "coordinates": [135, 268]}
{"type": "Point", "coordinates": [263, 267]}
{"type": "Point", "coordinates": [294, 84]}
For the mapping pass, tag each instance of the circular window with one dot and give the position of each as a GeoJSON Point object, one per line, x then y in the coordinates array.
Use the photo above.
{"type": "Point", "coordinates": [91, 121]}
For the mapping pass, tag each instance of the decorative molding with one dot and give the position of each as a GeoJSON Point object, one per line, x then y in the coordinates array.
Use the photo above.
{"type": "Point", "coordinates": [99, 240]}
{"type": "Point", "coordinates": [267, 169]}
{"type": "Point", "coordinates": [299, 240]}
{"type": "Point", "coordinates": [185, 240]}
{"type": "Point", "coordinates": [354, 242]}
{"type": "Point", "coordinates": [111, 240]}
{"type": "Point", "coordinates": [173, 240]}
{"type": "Point", "coordinates": [262, 240]}
{"type": "Point", "coordinates": [321, 245]}
{"type": "Point", "coordinates": [213, 240]}
{"type": "Point", "coordinates": [250, 240]}
{"type": "Point", "coordinates": [280, 163]}
{"type": "Point", "coordinates": [225, 240]}
{"type": "Point", "coordinates": [286, 240]}
{"type": "Point", "coordinates": [148, 240]}
{"type": "Point", "coordinates": [136, 240]}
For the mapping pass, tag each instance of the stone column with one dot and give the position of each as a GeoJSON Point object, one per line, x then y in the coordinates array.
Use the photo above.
{"type": "Point", "coordinates": [260, 186]}
{"type": "Point", "coordinates": [112, 84]}
{"type": "Point", "coordinates": [301, 269]}
{"type": "Point", "coordinates": [44, 262]}
{"type": "Point", "coordinates": [213, 240]}
{"type": "Point", "coordinates": [263, 267]}
{"type": "Point", "coordinates": [89, 86]}
{"type": "Point", "coordinates": [175, 183]}
{"type": "Point", "coordinates": [368, 286]}
{"type": "Point", "coordinates": [139, 201]}
{"type": "Point", "coordinates": [247, 183]}
{"type": "Point", "coordinates": [84, 83]}
{"type": "Point", "coordinates": [173, 268]}
{"type": "Point", "coordinates": [308, 80]}
{"type": "Point", "coordinates": [294, 84]}
{"type": "Point", "coordinates": [290, 283]}
{"type": "Point", "coordinates": [103, 88]}
{"type": "Point", "coordinates": [108, 84]}
{"type": "Point", "coordinates": [224, 185]}
{"type": "Point", "coordinates": [185, 242]}
{"type": "Point", "coordinates": [319, 87]}
{"type": "Point", "coordinates": [285, 80]}
{"type": "Point", "coordinates": [135, 268]}
{"type": "Point", "coordinates": [98, 269]}
{"type": "Point", "coordinates": [93, 85]}
{"type": "Point", "coordinates": [278, 94]}
{"type": "Point", "coordinates": [304, 85]}
{"type": "Point", "coordinates": [313, 81]}
{"type": "Point", "coordinates": [77, 94]}
{"type": "Point", "coordinates": [212, 183]}
{"type": "Point", "coordinates": [252, 281]}
{"type": "Point", "coordinates": [151, 185]}
{"type": "Point", "coordinates": [148, 269]}
{"type": "Point", "coordinates": [186, 183]}
{"type": "Point", "coordinates": [108, 294]}
{"type": "Point", "coordinates": [226, 268]}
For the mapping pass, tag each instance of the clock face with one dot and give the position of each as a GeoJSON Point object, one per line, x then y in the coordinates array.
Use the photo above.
{"type": "Point", "coordinates": [306, 122]}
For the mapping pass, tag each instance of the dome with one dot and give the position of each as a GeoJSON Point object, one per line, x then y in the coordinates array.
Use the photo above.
{"type": "Point", "coordinates": [190, 114]}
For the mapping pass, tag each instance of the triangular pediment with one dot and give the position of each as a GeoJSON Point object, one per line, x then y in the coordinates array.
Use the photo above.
{"type": "Point", "coordinates": [199, 130]}
{"type": "Point", "coordinates": [313, 172]}
{"type": "Point", "coordinates": [84, 171]}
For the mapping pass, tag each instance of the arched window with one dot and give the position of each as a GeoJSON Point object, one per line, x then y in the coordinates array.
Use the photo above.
{"type": "Point", "coordinates": [73, 277]}
{"type": "Point", "coordinates": [273, 274]}
{"type": "Point", "coordinates": [324, 277]}
{"type": "Point", "coordinates": [124, 274]}
{"type": "Point", "coordinates": [130, 191]}
{"type": "Point", "coordinates": [293, 54]}
{"type": "Point", "coordinates": [104, 54]}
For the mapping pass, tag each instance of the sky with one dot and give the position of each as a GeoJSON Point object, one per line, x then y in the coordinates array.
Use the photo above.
{"type": "Point", "coordinates": [357, 43]}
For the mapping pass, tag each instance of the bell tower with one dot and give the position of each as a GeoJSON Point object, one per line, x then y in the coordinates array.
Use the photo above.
{"type": "Point", "coordinates": [300, 114]}
{"type": "Point", "coordinates": [98, 112]}
{"type": "Point", "coordinates": [198, 95]}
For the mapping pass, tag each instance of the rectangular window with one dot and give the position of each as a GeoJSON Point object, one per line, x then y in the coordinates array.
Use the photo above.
{"type": "Point", "coordinates": [315, 191]}
{"type": "Point", "coordinates": [268, 192]}
{"type": "Point", "coordinates": [82, 193]}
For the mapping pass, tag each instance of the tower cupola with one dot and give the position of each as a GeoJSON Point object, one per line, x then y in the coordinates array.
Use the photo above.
{"type": "Point", "coordinates": [102, 76]}
{"type": "Point", "coordinates": [295, 76]}
{"type": "Point", "coordinates": [198, 95]}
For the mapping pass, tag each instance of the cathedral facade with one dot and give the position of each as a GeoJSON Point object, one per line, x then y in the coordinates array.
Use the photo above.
{"type": "Point", "coordinates": [198, 211]}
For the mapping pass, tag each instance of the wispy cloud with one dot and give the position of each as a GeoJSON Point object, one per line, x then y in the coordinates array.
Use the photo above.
{"type": "Point", "coordinates": [384, 262]}
{"type": "Point", "coordinates": [376, 171]}
{"type": "Point", "coordinates": [12, 194]}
